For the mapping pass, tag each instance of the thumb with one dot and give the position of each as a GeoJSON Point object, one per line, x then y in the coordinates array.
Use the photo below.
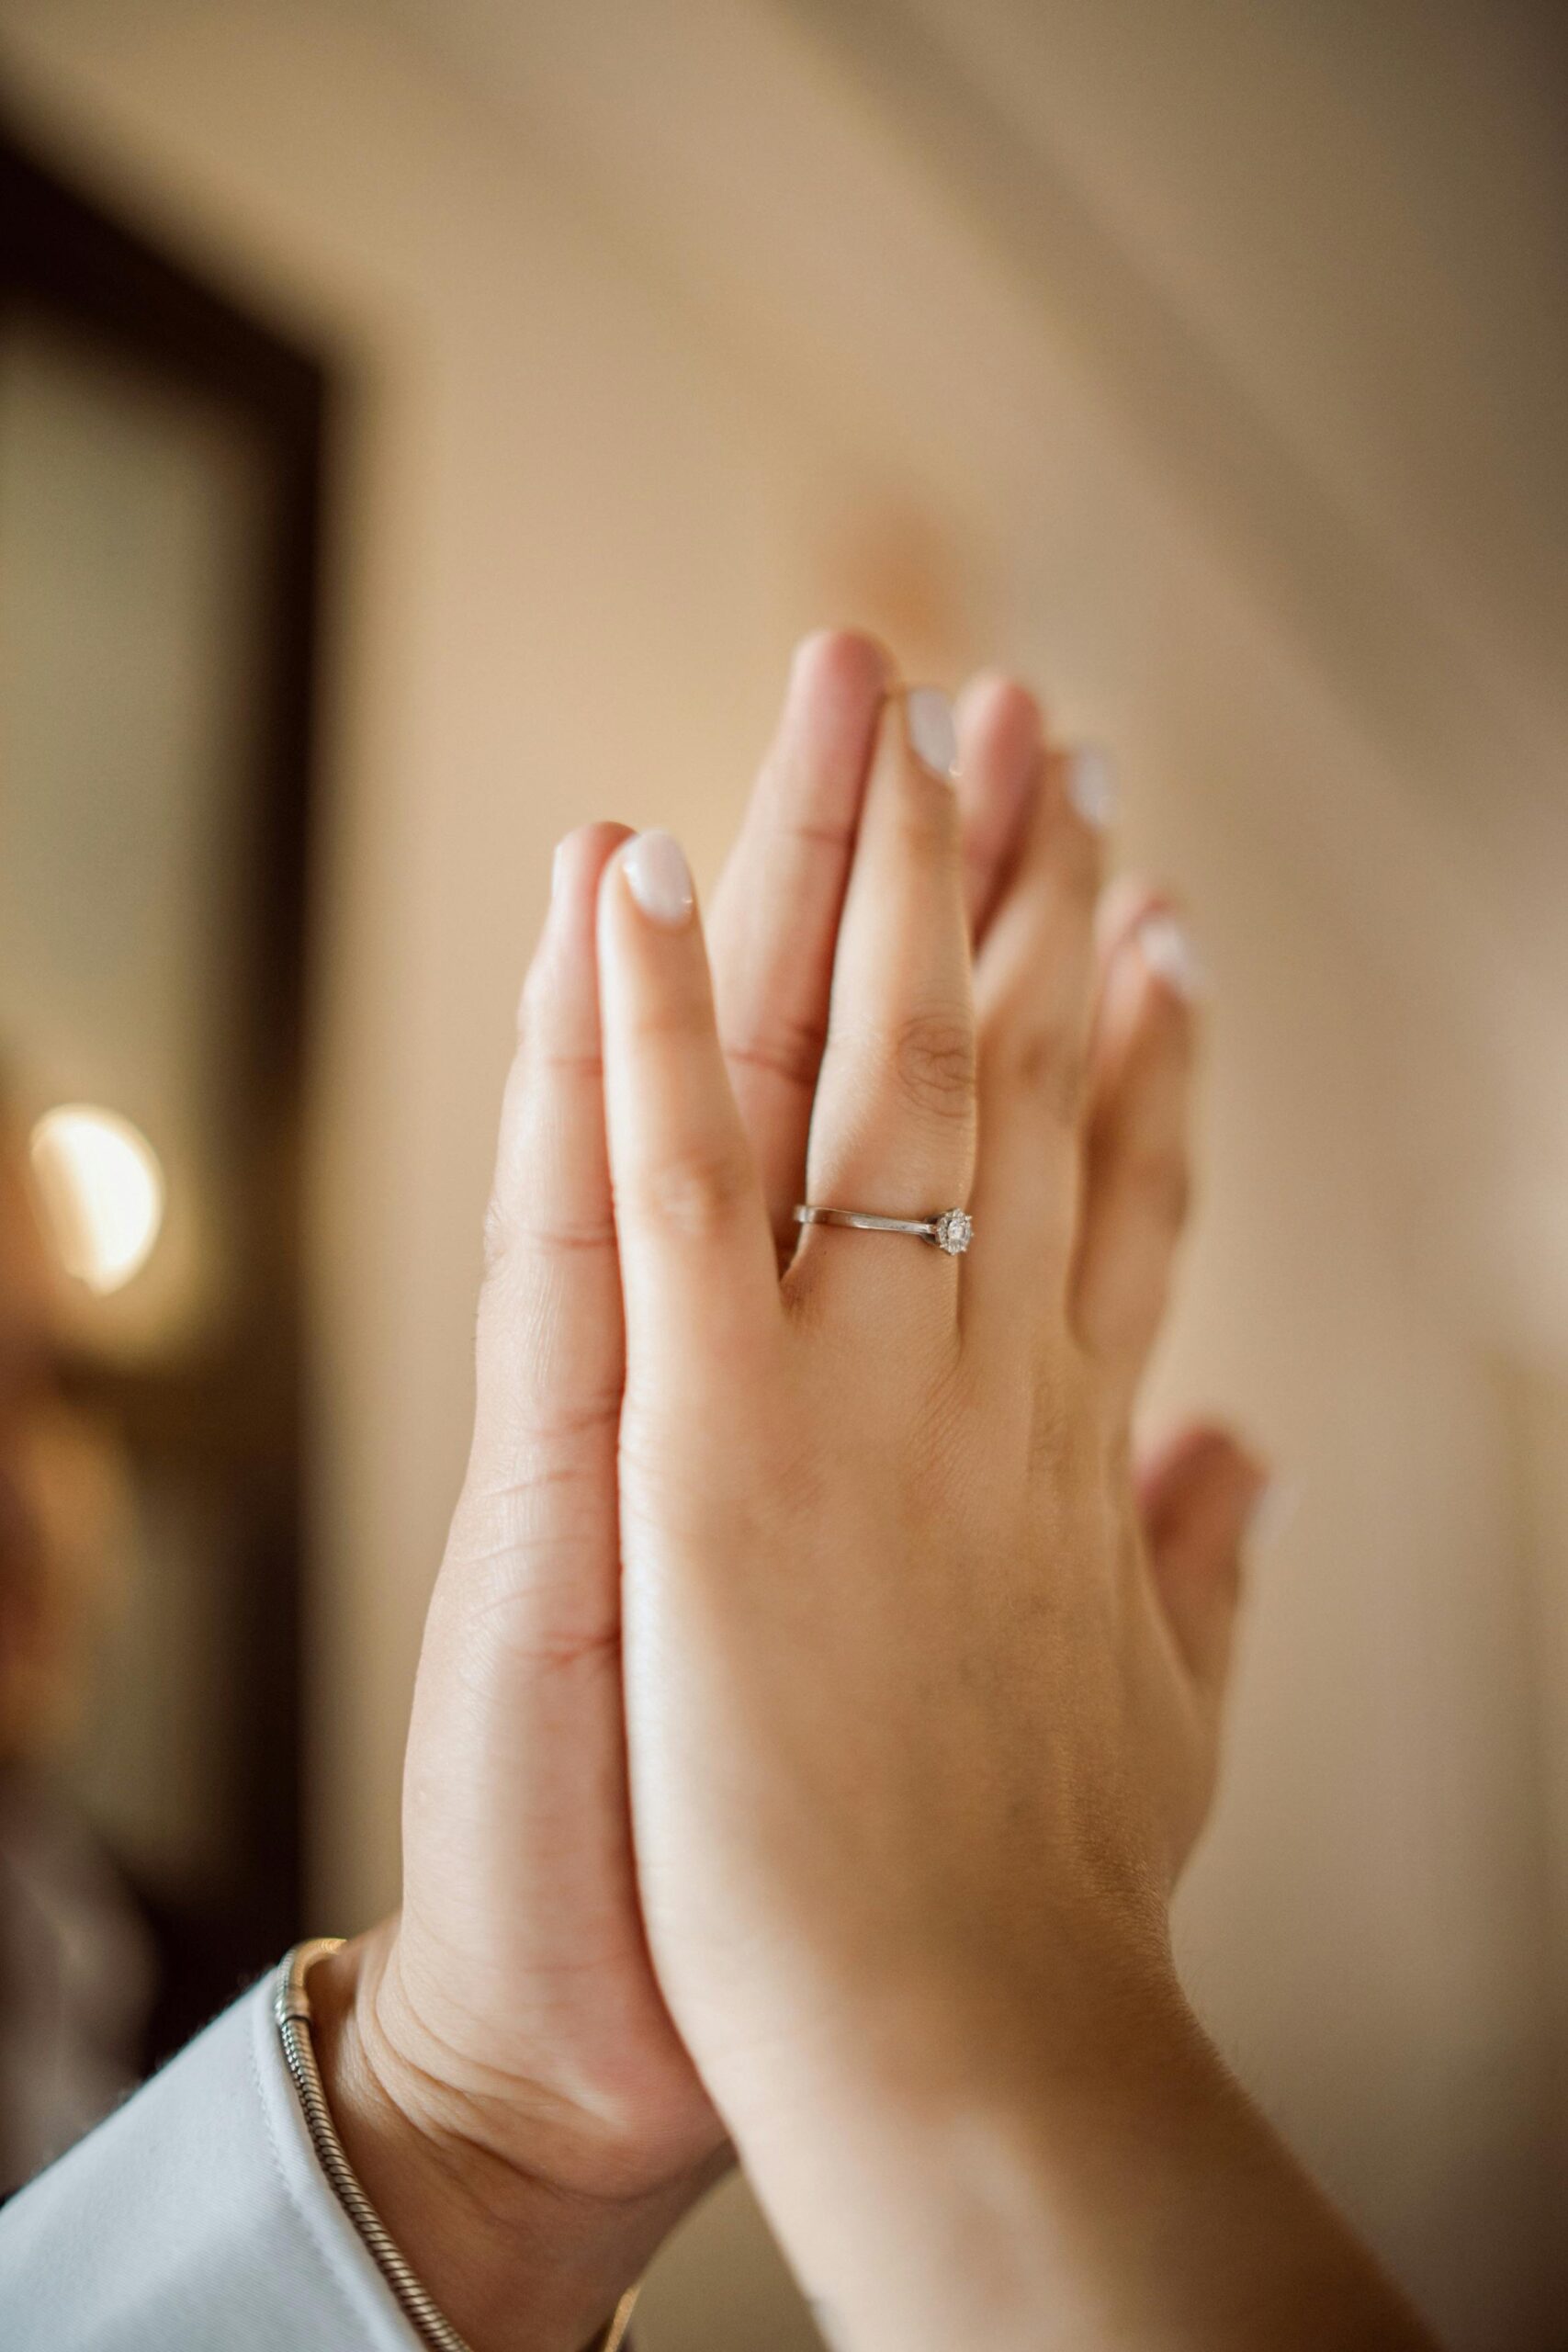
{"type": "Point", "coordinates": [1199, 1494]}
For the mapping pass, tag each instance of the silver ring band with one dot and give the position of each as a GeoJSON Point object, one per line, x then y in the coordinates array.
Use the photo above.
{"type": "Point", "coordinates": [951, 1230]}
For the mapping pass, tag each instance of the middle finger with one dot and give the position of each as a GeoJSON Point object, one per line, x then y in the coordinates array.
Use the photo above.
{"type": "Point", "coordinates": [775, 913]}
{"type": "Point", "coordinates": [894, 1128]}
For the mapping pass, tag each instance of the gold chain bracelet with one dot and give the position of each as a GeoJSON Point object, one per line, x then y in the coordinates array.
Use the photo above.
{"type": "Point", "coordinates": [291, 2006]}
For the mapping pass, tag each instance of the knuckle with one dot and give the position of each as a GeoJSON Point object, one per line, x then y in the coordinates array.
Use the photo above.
{"type": "Point", "coordinates": [514, 1591]}
{"type": "Point", "coordinates": [502, 1525]}
{"type": "Point", "coordinates": [934, 1065]}
{"type": "Point", "coordinates": [560, 1428]}
{"type": "Point", "coordinates": [1158, 1181]}
{"type": "Point", "coordinates": [512, 1238]}
{"type": "Point", "coordinates": [1048, 1057]}
{"type": "Point", "coordinates": [692, 1195]}
{"type": "Point", "coordinates": [671, 1025]}
{"type": "Point", "coordinates": [791, 1050]}
{"type": "Point", "coordinates": [565, 1062]}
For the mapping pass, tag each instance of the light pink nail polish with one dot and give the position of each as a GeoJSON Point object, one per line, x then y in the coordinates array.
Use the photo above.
{"type": "Point", "coordinates": [1091, 786]}
{"type": "Point", "coordinates": [660, 878]}
{"type": "Point", "coordinates": [934, 732]}
{"type": "Point", "coordinates": [1170, 954]}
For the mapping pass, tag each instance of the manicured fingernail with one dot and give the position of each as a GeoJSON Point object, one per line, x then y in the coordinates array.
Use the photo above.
{"type": "Point", "coordinates": [1091, 786]}
{"type": "Point", "coordinates": [660, 878]}
{"type": "Point", "coordinates": [1171, 956]}
{"type": "Point", "coordinates": [1272, 1513]}
{"type": "Point", "coordinates": [933, 735]}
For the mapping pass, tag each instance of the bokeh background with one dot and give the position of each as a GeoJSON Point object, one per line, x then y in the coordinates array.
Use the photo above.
{"type": "Point", "coordinates": [1204, 360]}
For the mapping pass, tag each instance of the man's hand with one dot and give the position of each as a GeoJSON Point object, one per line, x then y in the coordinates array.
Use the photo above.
{"type": "Point", "coordinates": [503, 2048]}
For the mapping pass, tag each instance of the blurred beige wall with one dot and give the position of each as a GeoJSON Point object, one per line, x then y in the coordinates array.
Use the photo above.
{"type": "Point", "coordinates": [614, 436]}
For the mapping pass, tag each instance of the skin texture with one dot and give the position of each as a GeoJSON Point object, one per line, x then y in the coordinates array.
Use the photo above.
{"type": "Point", "coordinates": [922, 1680]}
{"type": "Point", "coordinates": [917, 1747]}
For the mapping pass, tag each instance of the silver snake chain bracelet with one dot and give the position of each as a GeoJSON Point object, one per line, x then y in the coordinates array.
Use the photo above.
{"type": "Point", "coordinates": [291, 2008]}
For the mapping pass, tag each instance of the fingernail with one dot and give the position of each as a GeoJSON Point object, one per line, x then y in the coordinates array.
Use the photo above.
{"type": "Point", "coordinates": [557, 863]}
{"type": "Point", "coordinates": [933, 735]}
{"type": "Point", "coordinates": [1091, 786]}
{"type": "Point", "coordinates": [1272, 1513]}
{"type": "Point", "coordinates": [660, 878]}
{"type": "Point", "coordinates": [1171, 956]}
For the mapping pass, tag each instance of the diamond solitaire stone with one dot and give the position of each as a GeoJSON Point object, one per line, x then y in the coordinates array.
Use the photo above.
{"type": "Point", "coordinates": [954, 1232]}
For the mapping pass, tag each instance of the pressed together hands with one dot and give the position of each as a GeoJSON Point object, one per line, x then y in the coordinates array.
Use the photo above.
{"type": "Point", "coordinates": [819, 1702]}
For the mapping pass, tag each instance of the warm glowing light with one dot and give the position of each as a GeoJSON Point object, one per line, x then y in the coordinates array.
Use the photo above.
{"type": "Point", "coordinates": [103, 1190]}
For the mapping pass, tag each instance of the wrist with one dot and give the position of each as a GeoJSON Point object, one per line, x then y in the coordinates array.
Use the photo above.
{"type": "Point", "coordinates": [1078, 2164]}
{"type": "Point", "coordinates": [922, 2026]}
{"type": "Point", "coordinates": [920, 2166]}
{"type": "Point", "coordinates": [510, 2255]}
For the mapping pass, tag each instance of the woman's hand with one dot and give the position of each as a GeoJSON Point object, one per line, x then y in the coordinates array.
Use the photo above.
{"type": "Point", "coordinates": [920, 1733]}
{"type": "Point", "coordinates": [902, 1698]}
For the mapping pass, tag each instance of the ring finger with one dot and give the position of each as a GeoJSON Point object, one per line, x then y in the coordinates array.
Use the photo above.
{"type": "Point", "coordinates": [894, 1127]}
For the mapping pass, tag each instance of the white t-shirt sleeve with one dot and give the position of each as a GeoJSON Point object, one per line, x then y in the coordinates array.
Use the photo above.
{"type": "Point", "coordinates": [196, 2217]}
